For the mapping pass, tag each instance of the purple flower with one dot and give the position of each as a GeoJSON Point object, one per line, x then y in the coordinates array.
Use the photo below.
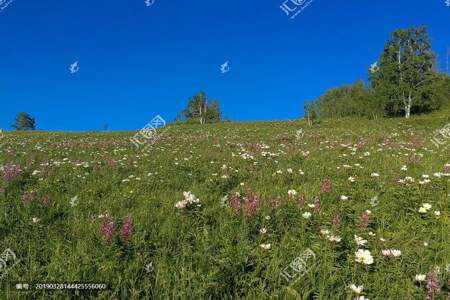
{"type": "Point", "coordinates": [45, 200]}
{"type": "Point", "coordinates": [108, 229]}
{"type": "Point", "coordinates": [365, 219]}
{"type": "Point", "coordinates": [127, 227]}
{"type": "Point", "coordinates": [235, 204]}
{"type": "Point", "coordinates": [326, 185]}
{"type": "Point", "coordinates": [432, 285]}
{"type": "Point", "coordinates": [253, 206]}
{"type": "Point", "coordinates": [11, 172]}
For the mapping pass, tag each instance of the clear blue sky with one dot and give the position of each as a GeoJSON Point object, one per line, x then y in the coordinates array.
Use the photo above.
{"type": "Point", "coordinates": [137, 61]}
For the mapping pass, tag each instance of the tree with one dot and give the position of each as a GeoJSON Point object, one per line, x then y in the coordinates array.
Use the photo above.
{"type": "Point", "coordinates": [24, 122]}
{"type": "Point", "coordinates": [404, 74]}
{"type": "Point", "coordinates": [200, 110]}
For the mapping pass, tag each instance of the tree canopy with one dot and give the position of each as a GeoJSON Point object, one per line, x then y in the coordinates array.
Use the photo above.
{"type": "Point", "coordinates": [24, 122]}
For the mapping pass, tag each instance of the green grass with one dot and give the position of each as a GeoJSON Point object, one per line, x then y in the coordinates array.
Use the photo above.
{"type": "Point", "coordinates": [208, 252]}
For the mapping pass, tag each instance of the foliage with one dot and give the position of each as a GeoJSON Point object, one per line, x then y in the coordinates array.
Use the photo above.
{"type": "Point", "coordinates": [200, 110]}
{"type": "Point", "coordinates": [24, 122]}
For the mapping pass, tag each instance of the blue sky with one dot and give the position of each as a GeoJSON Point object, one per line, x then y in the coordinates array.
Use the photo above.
{"type": "Point", "coordinates": [136, 61]}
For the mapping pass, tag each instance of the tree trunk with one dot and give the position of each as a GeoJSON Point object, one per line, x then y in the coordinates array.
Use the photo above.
{"type": "Point", "coordinates": [408, 106]}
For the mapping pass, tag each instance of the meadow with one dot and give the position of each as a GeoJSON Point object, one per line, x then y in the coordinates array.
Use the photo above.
{"type": "Point", "coordinates": [343, 209]}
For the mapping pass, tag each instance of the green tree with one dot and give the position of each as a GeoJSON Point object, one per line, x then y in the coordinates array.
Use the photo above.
{"type": "Point", "coordinates": [24, 122]}
{"type": "Point", "coordinates": [199, 110]}
{"type": "Point", "coordinates": [404, 74]}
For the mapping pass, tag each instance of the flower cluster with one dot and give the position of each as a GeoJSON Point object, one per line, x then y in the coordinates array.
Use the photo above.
{"type": "Point", "coordinates": [190, 200]}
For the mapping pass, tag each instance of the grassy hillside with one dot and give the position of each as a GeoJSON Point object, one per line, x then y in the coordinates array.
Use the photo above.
{"type": "Point", "coordinates": [66, 197]}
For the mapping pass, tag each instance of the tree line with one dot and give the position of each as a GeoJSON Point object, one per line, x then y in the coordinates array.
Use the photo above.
{"type": "Point", "coordinates": [404, 81]}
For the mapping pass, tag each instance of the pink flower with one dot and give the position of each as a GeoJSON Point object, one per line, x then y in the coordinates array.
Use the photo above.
{"type": "Point", "coordinates": [235, 204]}
{"type": "Point", "coordinates": [11, 172]}
{"type": "Point", "coordinates": [365, 218]}
{"type": "Point", "coordinates": [127, 227]}
{"type": "Point", "coordinates": [253, 206]}
{"type": "Point", "coordinates": [326, 186]}
{"type": "Point", "coordinates": [337, 220]}
{"type": "Point", "coordinates": [108, 229]}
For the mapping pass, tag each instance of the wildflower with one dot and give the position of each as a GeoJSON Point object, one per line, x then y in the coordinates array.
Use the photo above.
{"type": "Point", "coordinates": [306, 215]}
{"type": "Point", "coordinates": [352, 179]}
{"type": "Point", "coordinates": [265, 246]}
{"type": "Point", "coordinates": [11, 172]}
{"type": "Point", "coordinates": [326, 186]}
{"type": "Point", "coordinates": [108, 229]}
{"type": "Point", "coordinates": [336, 220]}
{"type": "Point", "coordinates": [292, 193]}
{"type": "Point", "coordinates": [235, 203]}
{"type": "Point", "coordinates": [267, 218]}
{"type": "Point", "coordinates": [375, 175]}
{"type": "Point", "coordinates": [324, 231]}
{"type": "Point", "coordinates": [432, 284]}
{"type": "Point", "coordinates": [365, 218]}
{"type": "Point", "coordinates": [363, 257]}
{"type": "Point", "coordinates": [316, 205]}
{"type": "Point", "coordinates": [263, 230]}
{"type": "Point", "coordinates": [360, 241]}
{"type": "Point", "coordinates": [425, 208]}
{"type": "Point", "coordinates": [404, 168]}
{"type": "Point", "coordinates": [35, 220]}
{"type": "Point", "coordinates": [335, 238]}
{"type": "Point", "coordinates": [420, 277]}
{"type": "Point", "coordinates": [343, 197]}
{"type": "Point", "coordinates": [361, 298]}
{"type": "Point", "coordinates": [391, 252]}
{"type": "Point", "coordinates": [253, 206]}
{"type": "Point", "coordinates": [74, 201]}
{"type": "Point", "coordinates": [189, 199]}
{"type": "Point", "coordinates": [356, 289]}
{"type": "Point", "coordinates": [437, 213]}
{"type": "Point", "coordinates": [127, 227]}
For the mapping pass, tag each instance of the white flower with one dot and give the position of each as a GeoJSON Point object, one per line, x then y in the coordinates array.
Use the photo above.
{"type": "Point", "coordinates": [360, 241]}
{"type": "Point", "coordinates": [396, 252]}
{"type": "Point", "coordinates": [311, 205]}
{"type": "Point", "coordinates": [420, 277]}
{"type": "Point", "coordinates": [361, 298]}
{"type": "Point", "coordinates": [181, 204]}
{"type": "Point", "coordinates": [74, 201]}
{"type": "Point", "coordinates": [375, 175]}
{"type": "Point", "coordinates": [425, 244]}
{"type": "Point", "coordinates": [356, 289]}
{"type": "Point", "coordinates": [267, 217]}
{"type": "Point", "coordinates": [324, 231]}
{"type": "Point", "coordinates": [437, 213]}
{"type": "Point", "coordinates": [35, 220]}
{"type": "Point", "coordinates": [289, 170]}
{"type": "Point", "coordinates": [422, 210]}
{"type": "Point", "coordinates": [263, 230]}
{"type": "Point", "coordinates": [306, 215]}
{"type": "Point", "coordinates": [292, 193]}
{"type": "Point", "coordinates": [426, 206]}
{"type": "Point", "coordinates": [364, 257]}
{"type": "Point", "coordinates": [265, 246]}
{"type": "Point", "coordinates": [404, 168]}
{"type": "Point", "coordinates": [343, 197]}
{"type": "Point", "coordinates": [351, 179]}
{"type": "Point", "coordinates": [335, 238]}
